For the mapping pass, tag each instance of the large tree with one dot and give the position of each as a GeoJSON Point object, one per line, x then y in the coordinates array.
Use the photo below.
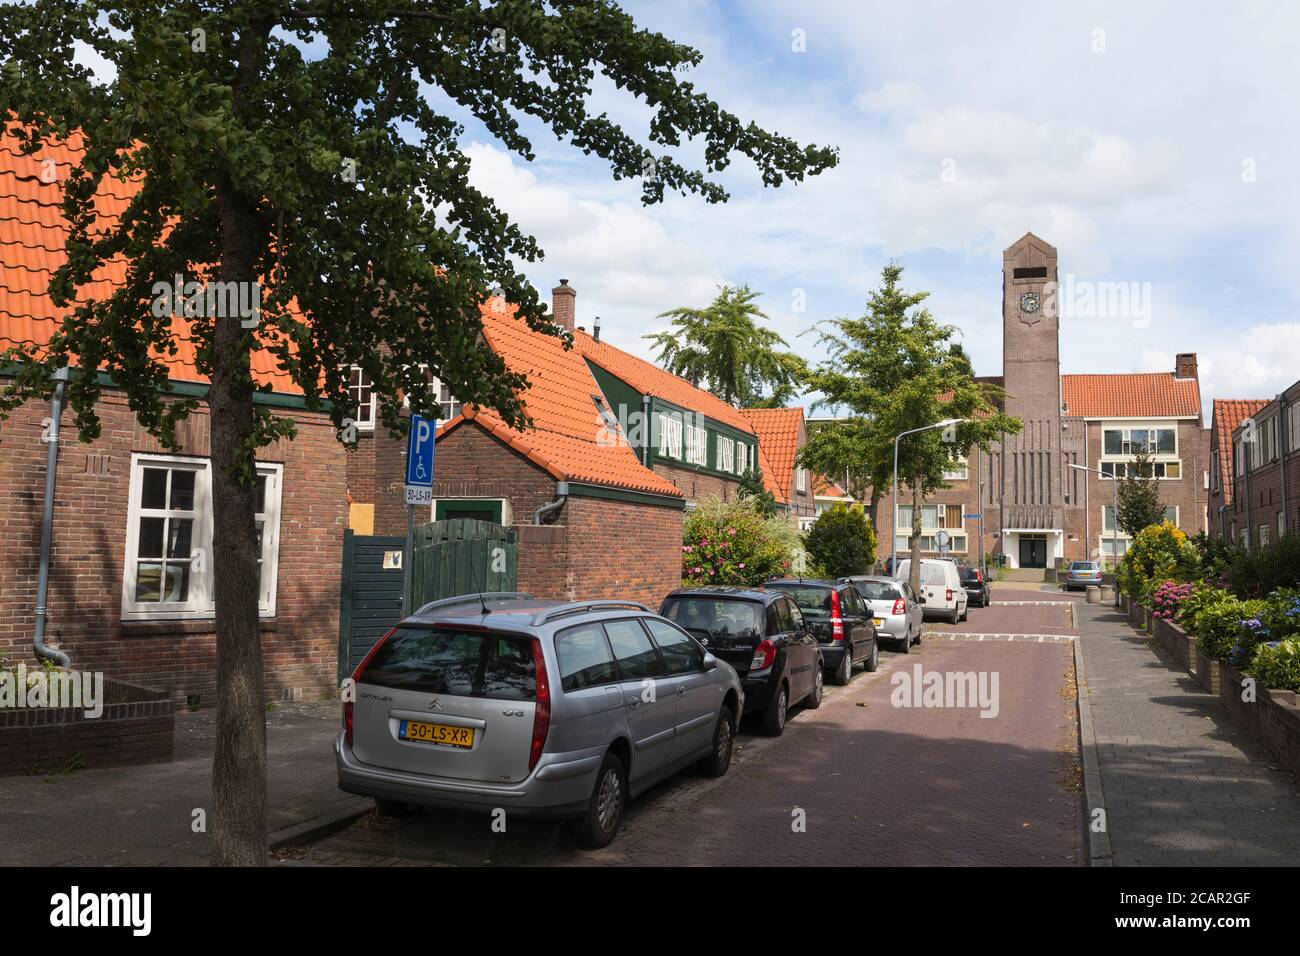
{"type": "Point", "coordinates": [1139, 497]}
{"type": "Point", "coordinates": [307, 147]}
{"type": "Point", "coordinates": [892, 370]}
{"type": "Point", "coordinates": [725, 348]}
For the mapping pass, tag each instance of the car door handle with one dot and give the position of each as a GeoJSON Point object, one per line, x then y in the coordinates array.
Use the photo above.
{"type": "Point", "coordinates": [681, 689]}
{"type": "Point", "coordinates": [633, 701]}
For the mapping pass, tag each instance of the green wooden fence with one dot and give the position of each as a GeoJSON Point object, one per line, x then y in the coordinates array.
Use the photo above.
{"type": "Point", "coordinates": [462, 556]}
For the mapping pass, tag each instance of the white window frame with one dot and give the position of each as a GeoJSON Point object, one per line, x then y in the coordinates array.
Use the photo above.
{"type": "Point", "coordinates": [801, 480]}
{"type": "Point", "coordinates": [742, 458]}
{"type": "Point", "coordinates": [670, 435]}
{"type": "Point", "coordinates": [201, 604]}
{"type": "Point", "coordinates": [697, 444]}
{"type": "Point", "coordinates": [726, 454]}
{"type": "Point", "coordinates": [960, 472]}
{"type": "Point", "coordinates": [372, 408]}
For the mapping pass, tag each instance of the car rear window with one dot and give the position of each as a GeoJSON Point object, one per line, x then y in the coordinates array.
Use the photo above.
{"type": "Point", "coordinates": [456, 663]}
{"type": "Point", "coordinates": [877, 590]}
{"type": "Point", "coordinates": [1083, 566]}
{"type": "Point", "coordinates": [934, 573]}
{"type": "Point", "coordinates": [810, 600]}
{"type": "Point", "coordinates": [715, 616]}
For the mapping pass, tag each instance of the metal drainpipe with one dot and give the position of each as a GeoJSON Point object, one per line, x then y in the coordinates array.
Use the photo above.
{"type": "Point", "coordinates": [47, 523]}
{"type": "Point", "coordinates": [1281, 457]}
{"type": "Point", "coordinates": [647, 430]}
{"type": "Point", "coordinates": [562, 491]}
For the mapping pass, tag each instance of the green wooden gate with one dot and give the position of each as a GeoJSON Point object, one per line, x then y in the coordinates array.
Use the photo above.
{"type": "Point", "coordinates": [462, 556]}
{"type": "Point", "coordinates": [370, 601]}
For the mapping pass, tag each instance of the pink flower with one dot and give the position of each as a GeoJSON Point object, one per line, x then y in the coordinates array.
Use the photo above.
{"type": "Point", "coordinates": [742, 567]}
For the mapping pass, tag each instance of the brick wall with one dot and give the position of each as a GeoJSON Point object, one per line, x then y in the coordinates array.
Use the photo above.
{"type": "Point", "coordinates": [89, 537]}
{"type": "Point", "coordinates": [620, 549]}
{"type": "Point", "coordinates": [697, 484]}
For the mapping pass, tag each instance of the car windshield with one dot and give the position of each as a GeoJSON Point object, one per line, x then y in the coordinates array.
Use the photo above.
{"type": "Point", "coordinates": [455, 662]}
{"type": "Point", "coordinates": [877, 590]}
{"type": "Point", "coordinates": [717, 616]}
{"type": "Point", "coordinates": [1083, 566]}
{"type": "Point", "coordinates": [811, 600]}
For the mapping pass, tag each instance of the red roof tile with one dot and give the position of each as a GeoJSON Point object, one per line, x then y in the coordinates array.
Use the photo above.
{"type": "Point", "coordinates": [778, 441]}
{"type": "Point", "coordinates": [823, 487]}
{"type": "Point", "coordinates": [1131, 395]}
{"type": "Point", "coordinates": [650, 379]}
{"type": "Point", "coordinates": [1228, 413]}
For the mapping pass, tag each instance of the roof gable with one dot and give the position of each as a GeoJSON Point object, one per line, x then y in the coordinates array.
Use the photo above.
{"type": "Point", "coordinates": [780, 434]}
{"type": "Point", "coordinates": [1227, 414]}
{"type": "Point", "coordinates": [1130, 395]}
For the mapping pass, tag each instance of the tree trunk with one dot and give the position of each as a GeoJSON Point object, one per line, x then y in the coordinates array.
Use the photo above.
{"type": "Point", "coordinates": [873, 507]}
{"type": "Point", "coordinates": [914, 569]}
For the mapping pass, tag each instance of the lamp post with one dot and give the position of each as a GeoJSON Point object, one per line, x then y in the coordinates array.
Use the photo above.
{"type": "Point", "coordinates": [893, 519]}
{"type": "Point", "coordinates": [1114, 516]}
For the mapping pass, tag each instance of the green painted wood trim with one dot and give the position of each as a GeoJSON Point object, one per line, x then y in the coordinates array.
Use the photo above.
{"type": "Point", "coordinates": [492, 505]}
{"type": "Point", "coordinates": [623, 494]}
{"type": "Point", "coordinates": [345, 607]}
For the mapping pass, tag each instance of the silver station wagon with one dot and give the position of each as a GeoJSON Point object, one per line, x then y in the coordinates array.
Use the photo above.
{"type": "Point", "coordinates": [538, 708]}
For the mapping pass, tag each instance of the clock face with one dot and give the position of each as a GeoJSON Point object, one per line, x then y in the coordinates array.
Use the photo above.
{"type": "Point", "coordinates": [1029, 302]}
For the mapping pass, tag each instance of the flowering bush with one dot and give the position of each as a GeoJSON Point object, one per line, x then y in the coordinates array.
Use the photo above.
{"type": "Point", "coordinates": [1276, 664]}
{"type": "Point", "coordinates": [733, 543]}
{"type": "Point", "coordinates": [1202, 598]}
{"type": "Point", "coordinates": [1231, 629]}
{"type": "Point", "coordinates": [1168, 598]}
{"type": "Point", "coordinates": [1282, 616]}
{"type": "Point", "coordinates": [1160, 552]}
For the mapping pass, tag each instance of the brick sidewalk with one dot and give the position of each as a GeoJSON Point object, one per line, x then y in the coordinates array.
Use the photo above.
{"type": "Point", "coordinates": [1182, 784]}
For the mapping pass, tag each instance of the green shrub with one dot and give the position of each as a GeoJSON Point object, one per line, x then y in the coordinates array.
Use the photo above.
{"type": "Point", "coordinates": [1159, 553]}
{"type": "Point", "coordinates": [1266, 568]}
{"type": "Point", "coordinates": [733, 543]}
{"type": "Point", "coordinates": [842, 542]}
{"type": "Point", "coordinates": [1202, 598]}
{"type": "Point", "coordinates": [1223, 630]}
{"type": "Point", "coordinates": [1277, 665]}
{"type": "Point", "coordinates": [1214, 555]}
{"type": "Point", "coordinates": [1282, 616]}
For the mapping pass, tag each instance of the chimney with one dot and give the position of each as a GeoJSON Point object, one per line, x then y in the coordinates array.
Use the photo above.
{"type": "Point", "coordinates": [1185, 365]}
{"type": "Point", "coordinates": [595, 329]}
{"type": "Point", "coordinates": [563, 299]}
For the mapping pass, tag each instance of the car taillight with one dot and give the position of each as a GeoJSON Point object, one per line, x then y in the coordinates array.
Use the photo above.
{"type": "Point", "coordinates": [949, 597]}
{"type": "Point", "coordinates": [837, 622]}
{"type": "Point", "coordinates": [764, 655]}
{"type": "Point", "coordinates": [356, 676]}
{"type": "Point", "coordinates": [900, 607]}
{"type": "Point", "coordinates": [542, 712]}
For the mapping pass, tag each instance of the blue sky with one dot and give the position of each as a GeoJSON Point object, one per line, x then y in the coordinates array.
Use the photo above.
{"type": "Point", "coordinates": [1156, 147]}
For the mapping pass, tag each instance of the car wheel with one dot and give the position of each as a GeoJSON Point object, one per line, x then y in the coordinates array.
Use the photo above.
{"type": "Point", "coordinates": [814, 698]}
{"type": "Point", "coordinates": [605, 808]}
{"type": "Point", "coordinates": [905, 645]}
{"type": "Point", "coordinates": [874, 660]}
{"type": "Point", "coordinates": [844, 673]}
{"type": "Point", "coordinates": [774, 715]}
{"type": "Point", "coordinates": [724, 741]}
{"type": "Point", "coordinates": [395, 809]}
{"type": "Point", "coordinates": [965, 612]}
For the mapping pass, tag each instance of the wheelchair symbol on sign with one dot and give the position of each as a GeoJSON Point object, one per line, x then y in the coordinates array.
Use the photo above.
{"type": "Point", "coordinates": [419, 470]}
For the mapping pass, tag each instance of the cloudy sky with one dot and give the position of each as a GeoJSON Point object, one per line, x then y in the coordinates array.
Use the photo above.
{"type": "Point", "coordinates": [1153, 146]}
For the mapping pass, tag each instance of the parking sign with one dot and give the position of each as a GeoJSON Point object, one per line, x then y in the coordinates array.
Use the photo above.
{"type": "Point", "coordinates": [419, 460]}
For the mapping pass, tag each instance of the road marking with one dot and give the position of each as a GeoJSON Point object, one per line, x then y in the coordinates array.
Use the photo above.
{"type": "Point", "coordinates": [1039, 638]}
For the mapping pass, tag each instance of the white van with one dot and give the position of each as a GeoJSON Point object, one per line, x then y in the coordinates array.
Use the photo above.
{"type": "Point", "coordinates": [941, 589]}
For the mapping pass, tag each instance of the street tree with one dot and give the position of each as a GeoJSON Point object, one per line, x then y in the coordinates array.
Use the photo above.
{"type": "Point", "coordinates": [724, 348]}
{"type": "Point", "coordinates": [1139, 504]}
{"type": "Point", "coordinates": [296, 147]}
{"type": "Point", "coordinates": [892, 370]}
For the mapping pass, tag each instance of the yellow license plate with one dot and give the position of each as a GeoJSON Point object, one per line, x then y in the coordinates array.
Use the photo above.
{"type": "Point", "coordinates": [446, 734]}
{"type": "Point", "coordinates": [879, 622]}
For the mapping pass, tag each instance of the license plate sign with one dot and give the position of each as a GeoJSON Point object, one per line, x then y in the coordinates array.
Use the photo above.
{"type": "Point", "coordinates": [879, 621]}
{"type": "Point", "coordinates": [445, 734]}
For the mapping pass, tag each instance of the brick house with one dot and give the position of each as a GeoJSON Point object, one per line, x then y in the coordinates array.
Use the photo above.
{"type": "Point", "coordinates": [800, 493]}
{"type": "Point", "coordinates": [1265, 463]}
{"type": "Point", "coordinates": [130, 592]}
{"type": "Point", "coordinates": [1228, 413]}
{"type": "Point", "coordinates": [596, 489]}
{"type": "Point", "coordinates": [1037, 510]}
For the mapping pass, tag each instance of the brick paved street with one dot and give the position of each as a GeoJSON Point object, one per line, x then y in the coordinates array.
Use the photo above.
{"type": "Point", "coordinates": [880, 785]}
{"type": "Point", "coordinates": [1183, 784]}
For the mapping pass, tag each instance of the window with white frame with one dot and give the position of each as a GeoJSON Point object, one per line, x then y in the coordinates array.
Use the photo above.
{"type": "Point", "coordinates": [1108, 518]}
{"type": "Point", "coordinates": [1263, 535]}
{"type": "Point", "coordinates": [362, 396]}
{"type": "Point", "coordinates": [934, 518]}
{"type": "Point", "coordinates": [448, 406]}
{"type": "Point", "coordinates": [670, 436]}
{"type": "Point", "coordinates": [801, 480]}
{"type": "Point", "coordinates": [697, 444]}
{"type": "Point", "coordinates": [726, 455]}
{"type": "Point", "coordinates": [168, 568]}
{"type": "Point", "coordinates": [1155, 469]}
{"type": "Point", "coordinates": [955, 472]}
{"type": "Point", "coordinates": [1292, 428]}
{"type": "Point", "coordinates": [742, 458]}
{"type": "Point", "coordinates": [1160, 444]}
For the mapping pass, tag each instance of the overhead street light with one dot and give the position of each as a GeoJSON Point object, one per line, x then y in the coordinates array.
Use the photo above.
{"type": "Point", "coordinates": [1114, 518]}
{"type": "Point", "coordinates": [893, 521]}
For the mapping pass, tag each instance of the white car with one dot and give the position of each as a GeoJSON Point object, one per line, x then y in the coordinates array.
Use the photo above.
{"type": "Point", "coordinates": [941, 590]}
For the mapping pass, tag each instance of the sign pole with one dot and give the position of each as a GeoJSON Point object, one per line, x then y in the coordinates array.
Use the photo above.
{"type": "Point", "coordinates": [419, 490]}
{"type": "Point", "coordinates": [407, 552]}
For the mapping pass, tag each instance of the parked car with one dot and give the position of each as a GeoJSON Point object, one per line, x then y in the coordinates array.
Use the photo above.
{"type": "Point", "coordinates": [1082, 573]}
{"type": "Point", "coordinates": [839, 619]}
{"type": "Point", "coordinates": [977, 589]}
{"type": "Point", "coordinates": [941, 588]}
{"type": "Point", "coordinates": [896, 611]}
{"type": "Point", "coordinates": [541, 707]}
{"type": "Point", "coordinates": [763, 636]}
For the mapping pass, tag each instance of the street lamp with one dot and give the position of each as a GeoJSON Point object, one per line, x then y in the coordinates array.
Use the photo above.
{"type": "Point", "coordinates": [1114, 517]}
{"type": "Point", "coordinates": [893, 521]}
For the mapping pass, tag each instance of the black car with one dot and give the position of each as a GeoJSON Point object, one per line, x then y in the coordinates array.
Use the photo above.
{"type": "Point", "coordinates": [763, 636]}
{"type": "Point", "coordinates": [973, 583]}
{"type": "Point", "coordinates": [841, 621]}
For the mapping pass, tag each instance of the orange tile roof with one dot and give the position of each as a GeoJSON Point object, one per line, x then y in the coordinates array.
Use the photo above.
{"type": "Point", "coordinates": [1228, 413]}
{"type": "Point", "coordinates": [567, 438]}
{"type": "Point", "coordinates": [778, 441]}
{"type": "Point", "coordinates": [823, 487]}
{"type": "Point", "coordinates": [33, 234]}
{"type": "Point", "coordinates": [650, 379]}
{"type": "Point", "coordinates": [1131, 395]}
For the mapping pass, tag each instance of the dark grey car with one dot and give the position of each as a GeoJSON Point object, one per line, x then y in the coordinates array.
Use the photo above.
{"type": "Point", "coordinates": [539, 708]}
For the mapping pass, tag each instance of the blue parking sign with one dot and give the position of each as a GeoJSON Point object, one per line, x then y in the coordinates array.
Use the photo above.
{"type": "Point", "coordinates": [419, 452]}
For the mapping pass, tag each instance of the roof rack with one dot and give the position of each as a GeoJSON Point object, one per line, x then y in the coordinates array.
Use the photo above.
{"type": "Point", "coordinates": [476, 598]}
{"type": "Point", "coordinates": [582, 607]}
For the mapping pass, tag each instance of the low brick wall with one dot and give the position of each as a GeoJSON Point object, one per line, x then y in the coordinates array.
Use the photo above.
{"type": "Point", "coordinates": [1179, 644]}
{"type": "Point", "coordinates": [137, 726]}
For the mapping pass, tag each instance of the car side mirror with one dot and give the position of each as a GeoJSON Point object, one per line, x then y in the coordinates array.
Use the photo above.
{"type": "Point", "coordinates": [920, 599]}
{"type": "Point", "coordinates": [710, 662]}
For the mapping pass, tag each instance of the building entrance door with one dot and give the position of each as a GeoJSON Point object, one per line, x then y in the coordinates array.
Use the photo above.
{"type": "Point", "coordinates": [1033, 551]}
